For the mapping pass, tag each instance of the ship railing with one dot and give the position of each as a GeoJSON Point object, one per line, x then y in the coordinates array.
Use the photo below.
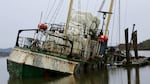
{"type": "Point", "coordinates": [57, 27]}
{"type": "Point", "coordinates": [57, 45]}
{"type": "Point", "coordinates": [25, 42]}
{"type": "Point", "coordinates": [22, 41]}
{"type": "Point", "coordinates": [38, 45]}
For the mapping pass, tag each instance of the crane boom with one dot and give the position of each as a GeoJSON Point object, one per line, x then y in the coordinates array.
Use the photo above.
{"type": "Point", "coordinates": [109, 16]}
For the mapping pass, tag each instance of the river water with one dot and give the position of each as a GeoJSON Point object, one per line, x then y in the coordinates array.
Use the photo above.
{"type": "Point", "coordinates": [114, 75]}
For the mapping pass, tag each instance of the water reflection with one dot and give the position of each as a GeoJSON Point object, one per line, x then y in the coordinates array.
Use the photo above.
{"type": "Point", "coordinates": [93, 77]}
{"type": "Point", "coordinates": [104, 76]}
{"type": "Point", "coordinates": [133, 73]}
{"type": "Point", "coordinates": [129, 75]}
{"type": "Point", "coordinates": [52, 80]}
{"type": "Point", "coordinates": [137, 75]}
{"type": "Point", "coordinates": [90, 77]}
{"type": "Point", "coordinates": [109, 75]}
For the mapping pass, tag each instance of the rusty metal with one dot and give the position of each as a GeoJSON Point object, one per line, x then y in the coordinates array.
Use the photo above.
{"type": "Point", "coordinates": [42, 61]}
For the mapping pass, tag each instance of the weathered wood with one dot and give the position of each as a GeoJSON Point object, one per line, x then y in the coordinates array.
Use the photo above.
{"type": "Point", "coordinates": [127, 46]}
{"type": "Point", "coordinates": [134, 35]}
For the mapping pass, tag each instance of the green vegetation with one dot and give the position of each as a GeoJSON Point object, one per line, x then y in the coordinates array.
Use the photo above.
{"type": "Point", "coordinates": [145, 45]}
{"type": "Point", "coordinates": [5, 52]}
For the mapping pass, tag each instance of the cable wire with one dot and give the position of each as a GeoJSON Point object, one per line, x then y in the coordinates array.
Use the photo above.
{"type": "Point", "coordinates": [119, 19]}
{"type": "Point", "coordinates": [60, 4]}
{"type": "Point", "coordinates": [46, 10]}
{"type": "Point", "coordinates": [113, 24]}
{"type": "Point", "coordinates": [53, 5]}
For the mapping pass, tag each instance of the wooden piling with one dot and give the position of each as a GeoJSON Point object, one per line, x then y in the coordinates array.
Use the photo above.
{"type": "Point", "coordinates": [135, 46]}
{"type": "Point", "coordinates": [127, 46]}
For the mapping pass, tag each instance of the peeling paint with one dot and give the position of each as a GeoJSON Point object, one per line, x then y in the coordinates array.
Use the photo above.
{"type": "Point", "coordinates": [42, 61]}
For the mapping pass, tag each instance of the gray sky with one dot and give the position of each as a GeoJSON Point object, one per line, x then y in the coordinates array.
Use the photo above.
{"type": "Point", "coordinates": [25, 14]}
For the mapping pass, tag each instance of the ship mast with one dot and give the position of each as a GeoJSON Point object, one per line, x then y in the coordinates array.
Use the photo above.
{"type": "Point", "coordinates": [67, 23]}
{"type": "Point", "coordinates": [109, 16]}
{"type": "Point", "coordinates": [68, 17]}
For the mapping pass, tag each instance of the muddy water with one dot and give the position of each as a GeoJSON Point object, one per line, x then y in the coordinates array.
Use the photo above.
{"type": "Point", "coordinates": [112, 75]}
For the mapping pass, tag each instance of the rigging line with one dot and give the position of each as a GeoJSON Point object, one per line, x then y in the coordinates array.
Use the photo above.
{"type": "Point", "coordinates": [59, 8]}
{"type": "Point", "coordinates": [79, 11]}
{"type": "Point", "coordinates": [113, 24]}
{"type": "Point", "coordinates": [79, 5]}
{"type": "Point", "coordinates": [87, 9]}
{"type": "Point", "coordinates": [119, 19]}
{"type": "Point", "coordinates": [51, 10]}
{"type": "Point", "coordinates": [79, 17]}
{"type": "Point", "coordinates": [119, 26]}
{"type": "Point", "coordinates": [125, 16]}
{"type": "Point", "coordinates": [93, 6]}
{"type": "Point", "coordinates": [55, 12]}
{"type": "Point", "coordinates": [52, 19]}
{"type": "Point", "coordinates": [97, 5]}
{"type": "Point", "coordinates": [102, 5]}
{"type": "Point", "coordinates": [59, 16]}
{"type": "Point", "coordinates": [41, 17]}
{"type": "Point", "coordinates": [87, 5]}
{"type": "Point", "coordinates": [46, 10]}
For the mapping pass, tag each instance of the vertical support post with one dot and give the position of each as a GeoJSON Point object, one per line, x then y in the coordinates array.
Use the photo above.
{"type": "Point", "coordinates": [67, 24]}
{"type": "Point", "coordinates": [131, 40]}
{"type": "Point", "coordinates": [18, 38]}
{"type": "Point", "coordinates": [135, 46]}
{"type": "Point", "coordinates": [127, 46]}
{"type": "Point", "coordinates": [68, 17]}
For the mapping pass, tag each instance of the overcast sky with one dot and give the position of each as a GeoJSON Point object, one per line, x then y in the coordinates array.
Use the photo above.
{"type": "Point", "coordinates": [25, 14]}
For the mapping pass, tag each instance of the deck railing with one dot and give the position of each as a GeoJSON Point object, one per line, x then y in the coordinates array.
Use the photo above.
{"type": "Point", "coordinates": [45, 45]}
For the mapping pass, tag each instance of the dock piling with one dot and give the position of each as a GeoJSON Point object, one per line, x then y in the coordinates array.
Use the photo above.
{"type": "Point", "coordinates": [127, 46]}
{"type": "Point", "coordinates": [135, 46]}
